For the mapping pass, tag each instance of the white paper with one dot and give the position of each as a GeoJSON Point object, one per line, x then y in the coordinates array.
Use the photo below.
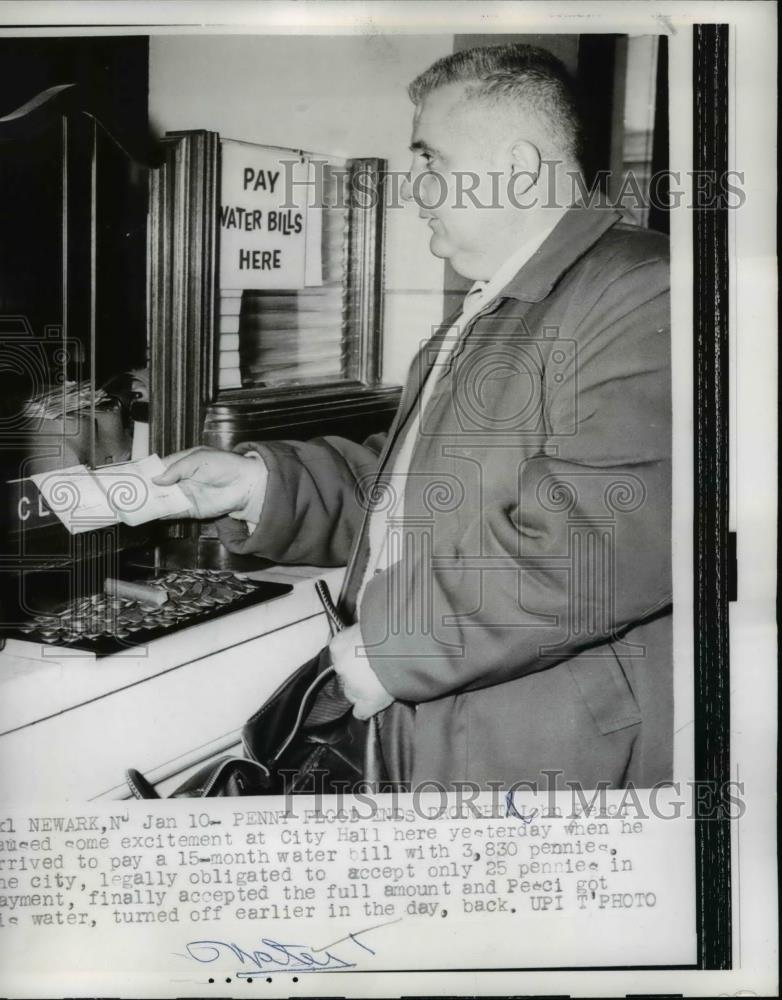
{"type": "Point", "coordinates": [313, 267]}
{"type": "Point", "coordinates": [74, 495]}
{"type": "Point", "coordinates": [133, 495]}
{"type": "Point", "coordinates": [84, 500]}
{"type": "Point", "coordinates": [262, 232]}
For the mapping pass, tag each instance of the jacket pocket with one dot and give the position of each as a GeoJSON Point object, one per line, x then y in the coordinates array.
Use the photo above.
{"type": "Point", "coordinates": [605, 689]}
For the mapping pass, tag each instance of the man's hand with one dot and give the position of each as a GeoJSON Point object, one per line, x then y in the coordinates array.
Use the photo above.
{"type": "Point", "coordinates": [359, 680]}
{"type": "Point", "coordinates": [215, 482]}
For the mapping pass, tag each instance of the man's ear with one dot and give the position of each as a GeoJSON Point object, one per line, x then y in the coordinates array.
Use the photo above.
{"type": "Point", "coordinates": [525, 160]}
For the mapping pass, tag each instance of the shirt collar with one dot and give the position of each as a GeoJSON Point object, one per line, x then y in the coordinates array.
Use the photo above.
{"type": "Point", "coordinates": [536, 266]}
{"type": "Point", "coordinates": [488, 290]}
{"type": "Point", "coordinates": [575, 233]}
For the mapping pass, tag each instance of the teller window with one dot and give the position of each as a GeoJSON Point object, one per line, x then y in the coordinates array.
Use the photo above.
{"type": "Point", "coordinates": [266, 287]}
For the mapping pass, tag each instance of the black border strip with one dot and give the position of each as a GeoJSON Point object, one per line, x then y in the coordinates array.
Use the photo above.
{"type": "Point", "coordinates": [712, 689]}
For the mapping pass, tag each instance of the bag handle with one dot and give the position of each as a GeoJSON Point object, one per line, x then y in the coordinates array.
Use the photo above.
{"type": "Point", "coordinates": [336, 623]}
{"type": "Point", "coordinates": [304, 708]}
{"type": "Point", "coordinates": [373, 757]}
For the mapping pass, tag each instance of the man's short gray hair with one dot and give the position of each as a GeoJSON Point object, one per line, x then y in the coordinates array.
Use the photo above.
{"type": "Point", "coordinates": [513, 74]}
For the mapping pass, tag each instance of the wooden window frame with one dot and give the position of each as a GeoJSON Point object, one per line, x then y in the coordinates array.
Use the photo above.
{"type": "Point", "coordinates": [183, 265]}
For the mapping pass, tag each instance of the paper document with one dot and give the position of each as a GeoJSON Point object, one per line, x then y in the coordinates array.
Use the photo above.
{"type": "Point", "coordinates": [85, 499]}
{"type": "Point", "coordinates": [73, 494]}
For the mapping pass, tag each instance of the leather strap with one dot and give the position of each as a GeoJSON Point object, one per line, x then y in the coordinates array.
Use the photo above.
{"type": "Point", "coordinates": [374, 771]}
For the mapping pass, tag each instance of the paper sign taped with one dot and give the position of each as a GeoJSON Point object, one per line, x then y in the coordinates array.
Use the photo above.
{"type": "Point", "coordinates": [263, 218]}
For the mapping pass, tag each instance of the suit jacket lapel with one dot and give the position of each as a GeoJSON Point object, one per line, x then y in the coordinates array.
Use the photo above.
{"type": "Point", "coordinates": [576, 232]}
{"type": "Point", "coordinates": [419, 370]}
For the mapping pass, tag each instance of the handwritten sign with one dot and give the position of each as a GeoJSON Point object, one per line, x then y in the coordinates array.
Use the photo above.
{"type": "Point", "coordinates": [263, 240]}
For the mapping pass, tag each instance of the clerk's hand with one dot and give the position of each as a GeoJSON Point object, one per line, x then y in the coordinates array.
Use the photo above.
{"type": "Point", "coordinates": [359, 680]}
{"type": "Point", "coordinates": [215, 482]}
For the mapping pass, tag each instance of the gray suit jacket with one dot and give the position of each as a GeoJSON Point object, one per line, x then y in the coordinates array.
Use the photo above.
{"type": "Point", "coordinates": [524, 626]}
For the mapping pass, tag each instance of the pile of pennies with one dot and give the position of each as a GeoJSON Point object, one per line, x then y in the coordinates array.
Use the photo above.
{"type": "Point", "coordinates": [184, 594]}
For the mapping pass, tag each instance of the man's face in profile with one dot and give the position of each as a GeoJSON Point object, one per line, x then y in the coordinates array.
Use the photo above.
{"type": "Point", "coordinates": [458, 178]}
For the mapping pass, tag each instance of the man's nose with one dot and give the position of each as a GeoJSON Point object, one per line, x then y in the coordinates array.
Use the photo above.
{"type": "Point", "coordinates": [418, 187]}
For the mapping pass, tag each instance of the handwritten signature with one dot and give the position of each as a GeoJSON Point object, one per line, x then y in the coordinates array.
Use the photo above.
{"type": "Point", "coordinates": [277, 956]}
{"type": "Point", "coordinates": [511, 810]}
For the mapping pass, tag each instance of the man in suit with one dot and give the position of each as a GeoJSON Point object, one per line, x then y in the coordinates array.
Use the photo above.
{"type": "Point", "coordinates": [508, 541]}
